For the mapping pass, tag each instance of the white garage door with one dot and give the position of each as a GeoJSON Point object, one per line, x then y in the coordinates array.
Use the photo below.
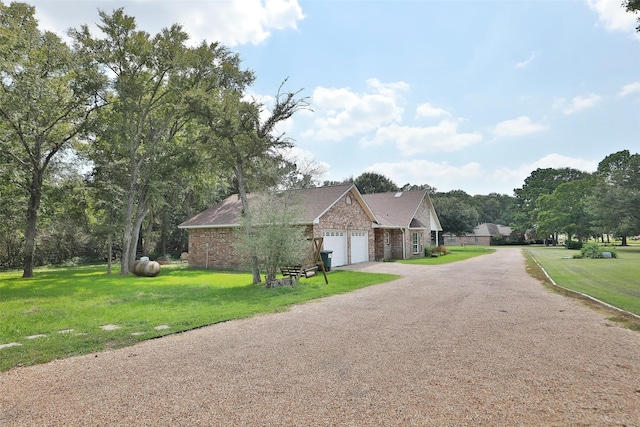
{"type": "Point", "coordinates": [359, 246]}
{"type": "Point", "coordinates": [336, 241]}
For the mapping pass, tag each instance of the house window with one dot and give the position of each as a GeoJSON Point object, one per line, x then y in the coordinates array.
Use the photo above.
{"type": "Point", "coordinates": [348, 200]}
{"type": "Point", "coordinates": [416, 243]}
{"type": "Point", "coordinates": [451, 238]}
{"type": "Point", "coordinates": [387, 239]}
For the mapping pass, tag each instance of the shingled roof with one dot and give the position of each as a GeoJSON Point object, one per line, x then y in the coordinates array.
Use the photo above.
{"type": "Point", "coordinates": [489, 229]}
{"type": "Point", "coordinates": [397, 210]}
{"type": "Point", "coordinates": [315, 201]}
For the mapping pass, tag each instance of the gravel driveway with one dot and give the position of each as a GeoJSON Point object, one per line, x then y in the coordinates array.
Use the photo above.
{"type": "Point", "coordinates": [477, 342]}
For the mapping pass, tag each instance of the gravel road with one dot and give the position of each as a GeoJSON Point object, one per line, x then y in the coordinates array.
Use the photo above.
{"type": "Point", "coordinates": [477, 342]}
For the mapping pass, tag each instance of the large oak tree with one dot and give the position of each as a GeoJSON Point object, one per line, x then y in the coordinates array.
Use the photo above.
{"type": "Point", "coordinates": [47, 94]}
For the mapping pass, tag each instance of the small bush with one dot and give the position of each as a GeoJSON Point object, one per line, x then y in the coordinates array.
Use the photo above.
{"type": "Point", "coordinates": [573, 244]}
{"type": "Point", "coordinates": [594, 251]}
{"type": "Point", "coordinates": [427, 251]}
{"type": "Point", "coordinates": [441, 250]}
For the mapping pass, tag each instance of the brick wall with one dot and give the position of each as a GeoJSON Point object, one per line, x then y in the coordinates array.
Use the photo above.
{"type": "Point", "coordinates": [341, 216]}
{"type": "Point", "coordinates": [347, 216]}
{"type": "Point", "coordinates": [220, 253]}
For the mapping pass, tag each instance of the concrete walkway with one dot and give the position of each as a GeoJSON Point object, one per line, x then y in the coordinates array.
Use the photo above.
{"type": "Point", "coordinates": [477, 342]}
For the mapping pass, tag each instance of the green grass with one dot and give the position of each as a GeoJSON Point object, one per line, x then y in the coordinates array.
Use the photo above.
{"type": "Point", "coordinates": [456, 253]}
{"type": "Point", "coordinates": [615, 281]}
{"type": "Point", "coordinates": [80, 300]}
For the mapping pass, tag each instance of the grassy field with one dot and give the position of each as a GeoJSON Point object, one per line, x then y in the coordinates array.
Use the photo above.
{"type": "Point", "coordinates": [456, 253]}
{"type": "Point", "coordinates": [70, 311]}
{"type": "Point", "coordinates": [615, 281]}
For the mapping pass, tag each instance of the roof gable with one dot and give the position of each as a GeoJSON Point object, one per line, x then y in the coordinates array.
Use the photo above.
{"type": "Point", "coordinates": [398, 209]}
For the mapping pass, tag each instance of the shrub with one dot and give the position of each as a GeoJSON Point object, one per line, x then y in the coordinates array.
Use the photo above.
{"type": "Point", "coordinates": [573, 244]}
{"type": "Point", "coordinates": [594, 250]}
{"type": "Point", "coordinates": [427, 251]}
{"type": "Point", "coordinates": [441, 250]}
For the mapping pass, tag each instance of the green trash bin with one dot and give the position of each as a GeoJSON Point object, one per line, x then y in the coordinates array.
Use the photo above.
{"type": "Point", "coordinates": [326, 260]}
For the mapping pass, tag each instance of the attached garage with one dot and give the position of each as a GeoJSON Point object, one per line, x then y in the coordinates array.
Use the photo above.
{"type": "Point", "coordinates": [336, 241]}
{"type": "Point", "coordinates": [359, 246]}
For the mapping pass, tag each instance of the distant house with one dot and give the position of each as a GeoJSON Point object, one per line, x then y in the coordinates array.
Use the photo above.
{"type": "Point", "coordinates": [406, 223]}
{"type": "Point", "coordinates": [355, 227]}
{"type": "Point", "coordinates": [481, 235]}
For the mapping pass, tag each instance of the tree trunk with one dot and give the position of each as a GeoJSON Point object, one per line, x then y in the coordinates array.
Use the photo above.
{"type": "Point", "coordinates": [146, 241]}
{"type": "Point", "coordinates": [109, 252]}
{"type": "Point", "coordinates": [255, 264]}
{"type": "Point", "coordinates": [126, 237]}
{"type": "Point", "coordinates": [127, 231]}
{"type": "Point", "coordinates": [141, 213]}
{"type": "Point", "coordinates": [35, 194]}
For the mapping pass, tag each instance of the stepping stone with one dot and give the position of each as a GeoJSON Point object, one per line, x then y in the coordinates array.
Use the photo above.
{"type": "Point", "coordinates": [11, 344]}
{"type": "Point", "coordinates": [135, 334]}
{"type": "Point", "coordinates": [65, 331]}
{"type": "Point", "coordinates": [161, 327]}
{"type": "Point", "coordinates": [109, 327]}
{"type": "Point", "coordinates": [33, 337]}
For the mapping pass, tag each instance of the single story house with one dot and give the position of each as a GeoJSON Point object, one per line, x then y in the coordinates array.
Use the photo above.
{"type": "Point", "coordinates": [406, 223]}
{"type": "Point", "coordinates": [481, 235]}
{"type": "Point", "coordinates": [399, 226]}
{"type": "Point", "coordinates": [336, 213]}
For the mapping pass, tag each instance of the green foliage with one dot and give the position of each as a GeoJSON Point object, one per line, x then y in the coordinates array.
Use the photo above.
{"type": "Point", "coordinates": [371, 182]}
{"type": "Point", "coordinates": [565, 210]}
{"type": "Point", "coordinates": [540, 182]}
{"type": "Point", "coordinates": [428, 250]}
{"type": "Point", "coordinates": [456, 212]}
{"type": "Point", "coordinates": [573, 244]}
{"type": "Point", "coordinates": [594, 251]}
{"type": "Point", "coordinates": [277, 239]}
{"type": "Point", "coordinates": [495, 208]}
{"type": "Point", "coordinates": [180, 298]}
{"type": "Point", "coordinates": [616, 199]}
{"type": "Point", "coordinates": [501, 240]}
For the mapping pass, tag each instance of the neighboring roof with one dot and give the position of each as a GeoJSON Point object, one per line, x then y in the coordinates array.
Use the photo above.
{"type": "Point", "coordinates": [489, 229]}
{"type": "Point", "coordinates": [398, 209]}
{"type": "Point", "coordinates": [315, 201]}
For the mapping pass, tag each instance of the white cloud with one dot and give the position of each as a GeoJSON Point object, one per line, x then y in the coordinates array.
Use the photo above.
{"type": "Point", "coordinates": [341, 113]}
{"type": "Point", "coordinates": [630, 88]}
{"type": "Point", "coordinates": [527, 61]}
{"type": "Point", "coordinates": [429, 111]}
{"type": "Point", "coordinates": [413, 140]}
{"type": "Point", "coordinates": [442, 175]}
{"type": "Point", "coordinates": [236, 22]}
{"type": "Point", "coordinates": [556, 161]}
{"type": "Point", "coordinates": [613, 15]}
{"type": "Point", "coordinates": [306, 162]}
{"type": "Point", "coordinates": [516, 127]}
{"type": "Point", "coordinates": [233, 22]}
{"type": "Point", "coordinates": [577, 103]}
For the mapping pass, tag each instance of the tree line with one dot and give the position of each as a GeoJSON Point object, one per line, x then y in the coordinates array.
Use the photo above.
{"type": "Point", "coordinates": [109, 141]}
{"type": "Point", "coordinates": [581, 205]}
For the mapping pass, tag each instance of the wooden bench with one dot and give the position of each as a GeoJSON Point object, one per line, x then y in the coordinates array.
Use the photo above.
{"type": "Point", "coordinates": [298, 271]}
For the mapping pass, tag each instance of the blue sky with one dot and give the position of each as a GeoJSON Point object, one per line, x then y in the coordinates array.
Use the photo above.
{"type": "Point", "coordinates": [469, 95]}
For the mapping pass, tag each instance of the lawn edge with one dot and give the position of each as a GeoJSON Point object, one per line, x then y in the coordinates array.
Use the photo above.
{"type": "Point", "coordinates": [582, 296]}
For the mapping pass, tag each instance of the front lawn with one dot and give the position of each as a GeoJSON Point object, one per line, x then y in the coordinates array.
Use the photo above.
{"type": "Point", "coordinates": [615, 281]}
{"type": "Point", "coordinates": [70, 311]}
{"type": "Point", "coordinates": [456, 253]}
